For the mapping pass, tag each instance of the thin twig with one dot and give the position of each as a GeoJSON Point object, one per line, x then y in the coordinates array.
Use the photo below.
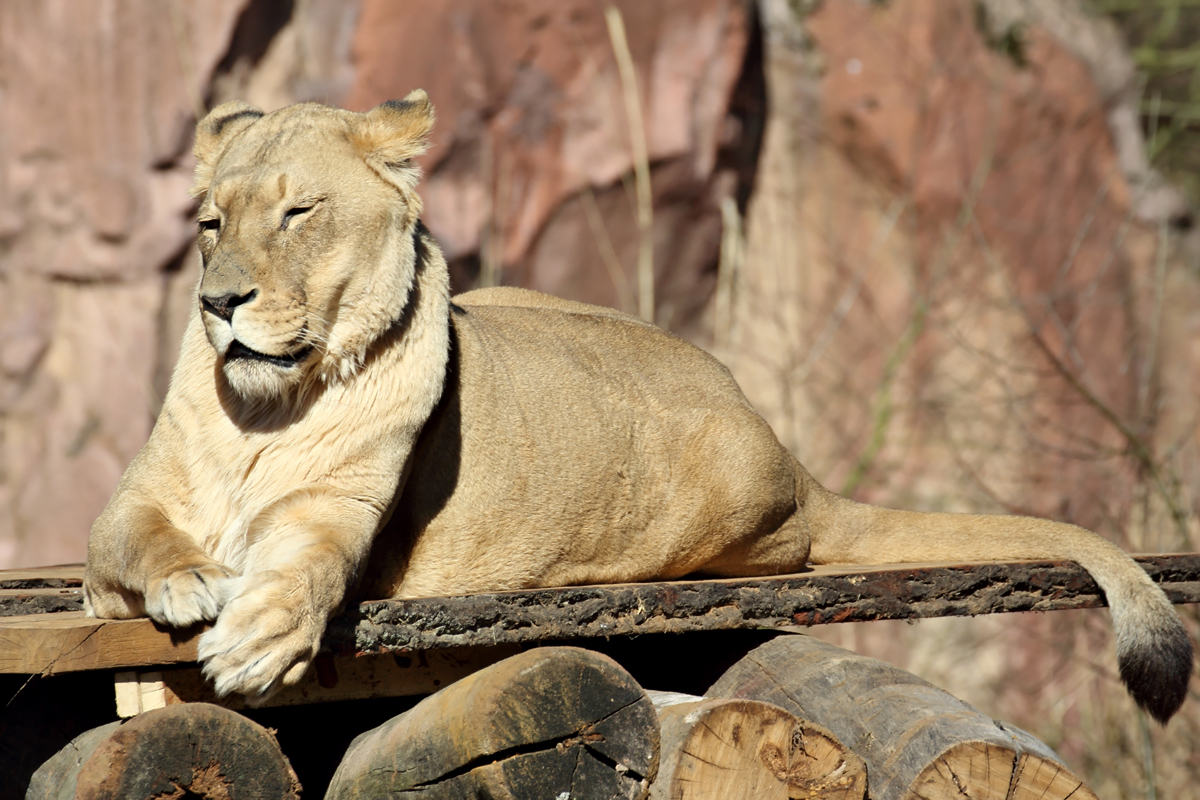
{"type": "Point", "coordinates": [641, 161]}
{"type": "Point", "coordinates": [728, 266]}
{"type": "Point", "coordinates": [608, 255]}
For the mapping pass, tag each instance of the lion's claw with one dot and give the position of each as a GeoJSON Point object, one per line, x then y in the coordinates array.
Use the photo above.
{"type": "Point", "coordinates": [264, 639]}
{"type": "Point", "coordinates": [187, 596]}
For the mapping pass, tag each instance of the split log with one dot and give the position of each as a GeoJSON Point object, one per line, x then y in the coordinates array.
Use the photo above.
{"type": "Point", "coordinates": [550, 722]}
{"type": "Point", "coordinates": [720, 749]}
{"type": "Point", "coordinates": [917, 740]}
{"type": "Point", "coordinates": [195, 750]}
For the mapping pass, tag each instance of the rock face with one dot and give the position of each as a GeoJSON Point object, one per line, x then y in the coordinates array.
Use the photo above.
{"type": "Point", "coordinates": [533, 138]}
{"type": "Point", "coordinates": [949, 197]}
{"type": "Point", "coordinates": [946, 210]}
{"type": "Point", "coordinates": [98, 105]}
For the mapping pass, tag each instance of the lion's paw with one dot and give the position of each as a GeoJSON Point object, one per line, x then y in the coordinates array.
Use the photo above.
{"type": "Point", "coordinates": [265, 638]}
{"type": "Point", "coordinates": [187, 596]}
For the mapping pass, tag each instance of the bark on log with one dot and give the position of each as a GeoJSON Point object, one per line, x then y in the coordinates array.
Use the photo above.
{"type": "Point", "coordinates": [917, 740]}
{"type": "Point", "coordinates": [195, 751]}
{"type": "Point", "coordinates": [550, 722]}
{"type": "Point", "coordinates": [41, 591]}
{"type": "Point", "coordinates": [820, 596]}
{"type": "Point", "coordinates": [720, 749]}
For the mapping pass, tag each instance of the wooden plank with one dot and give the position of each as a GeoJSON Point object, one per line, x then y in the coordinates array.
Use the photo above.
{"type": "Point", "coordinates": [49, 644]}
{"type": "Point", "coordinates": [62, 642]}
{"type": "Point", "coordinates": [827, 595]}
{"type": "Point", "coordinates": [42, 577]}
{"type": "Point", "coordinates": [335, 678]}
{"type": "Point", "coordinates": [41, 590]}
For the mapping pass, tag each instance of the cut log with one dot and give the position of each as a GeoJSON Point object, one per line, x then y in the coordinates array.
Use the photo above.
{"type": "Point", "coordinates": [195, 750]}
{"type": "Point", "coordinates": [917, 740]}
{"type": "Point", "coordinates": [550, 722]}
{"type": "Point", "coordinates": [720, 749]}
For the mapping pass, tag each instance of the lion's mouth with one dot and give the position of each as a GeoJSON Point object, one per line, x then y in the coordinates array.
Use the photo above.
{"type": "Point", "coordinates": [239, 352]}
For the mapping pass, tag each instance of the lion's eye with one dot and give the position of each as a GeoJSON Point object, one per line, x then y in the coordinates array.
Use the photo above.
{"type": "Point", "coordinates": [292, 214]}
{"type": "Point", "coordinates": [207, 225]}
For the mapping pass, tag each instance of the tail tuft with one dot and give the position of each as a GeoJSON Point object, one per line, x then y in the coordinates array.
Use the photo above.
{"type": "Point", "coordinates": [1156, 665]}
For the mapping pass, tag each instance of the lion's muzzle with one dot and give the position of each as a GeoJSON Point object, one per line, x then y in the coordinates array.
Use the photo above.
{"type": "Point", "coordinates": [224, 305]}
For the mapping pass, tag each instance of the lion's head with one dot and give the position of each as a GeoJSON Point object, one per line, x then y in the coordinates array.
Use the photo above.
{"type": "Point", "coordinates": [306, 235]}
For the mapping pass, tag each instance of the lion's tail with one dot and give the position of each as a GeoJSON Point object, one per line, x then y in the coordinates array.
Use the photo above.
{"type": "Point", "coordinates": [1153, 649]}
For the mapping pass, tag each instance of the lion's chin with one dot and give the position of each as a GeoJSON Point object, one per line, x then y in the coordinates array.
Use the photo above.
{"type": "Point", "coordinates": [262, 377]}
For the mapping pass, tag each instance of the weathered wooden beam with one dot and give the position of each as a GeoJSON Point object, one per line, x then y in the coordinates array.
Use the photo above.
{"type": "Point", "coordinates": [20, 602]}
{"type": "Point", "coordinates": [823, 595]}
{"type": "Point", "coordinates": [62, 642]}
{"type": "Point", "coordinates": [50, 644]}
{"type": "Point", "coordinates": [43, 590]}
{"type": "Point", "coordinates": [42, 577]}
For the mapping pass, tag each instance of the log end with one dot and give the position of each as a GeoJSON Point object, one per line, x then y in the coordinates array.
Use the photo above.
{"type": "Point", "coordinates": [193, 750]}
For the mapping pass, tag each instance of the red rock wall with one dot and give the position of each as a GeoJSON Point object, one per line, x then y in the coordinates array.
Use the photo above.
{"type": "Point", "coordinates": [531, 113]}
{"type": "Point", "coordinates": [97, 108]}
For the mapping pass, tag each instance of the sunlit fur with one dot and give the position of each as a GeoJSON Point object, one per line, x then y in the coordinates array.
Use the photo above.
{"type": "Point", "coordinates": [336, 427]}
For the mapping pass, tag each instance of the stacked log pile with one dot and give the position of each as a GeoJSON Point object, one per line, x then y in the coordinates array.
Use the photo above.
{"type": "Point", "coordinates": [563, 722]}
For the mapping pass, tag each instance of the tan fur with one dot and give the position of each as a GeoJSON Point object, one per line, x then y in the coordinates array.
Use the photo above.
{"type": "Point", "coordinates": [336, 427]}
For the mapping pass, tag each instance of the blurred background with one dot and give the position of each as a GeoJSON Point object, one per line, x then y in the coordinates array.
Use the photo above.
{"type": "Point", "coordinates": [946, 246]}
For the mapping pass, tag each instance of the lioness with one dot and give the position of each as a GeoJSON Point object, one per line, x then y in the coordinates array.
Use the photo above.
{"type": "Point", "coordinates": [338, 427]}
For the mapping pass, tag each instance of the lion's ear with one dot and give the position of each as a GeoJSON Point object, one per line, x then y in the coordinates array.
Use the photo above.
{"type": "Point", "coordinates": [392, 135]}
{"type": "Point", "coordinates": [213, 135]}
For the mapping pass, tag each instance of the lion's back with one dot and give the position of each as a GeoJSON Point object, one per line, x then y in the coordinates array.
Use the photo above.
{"type": "Point", "coordinates": [575, 444]}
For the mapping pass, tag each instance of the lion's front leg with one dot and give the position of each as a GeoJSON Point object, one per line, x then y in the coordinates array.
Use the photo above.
{"type": "Point", "coordinates": [304, 552]}
{"type": "Point", "coordinates": [139, 564]}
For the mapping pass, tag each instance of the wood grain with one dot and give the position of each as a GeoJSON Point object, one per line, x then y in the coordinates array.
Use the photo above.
{"type": "Point", "coordinates": [720, 749]}
{"type": "Point", "coordinates": [48, 644]}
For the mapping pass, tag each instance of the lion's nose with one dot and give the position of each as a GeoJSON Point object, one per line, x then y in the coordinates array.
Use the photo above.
{"type": "Point", "coordinates": [224, 305]}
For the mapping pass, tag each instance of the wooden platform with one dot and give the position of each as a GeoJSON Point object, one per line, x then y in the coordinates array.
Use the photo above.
{"type": "Point", "coordinates": [43, 630]}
